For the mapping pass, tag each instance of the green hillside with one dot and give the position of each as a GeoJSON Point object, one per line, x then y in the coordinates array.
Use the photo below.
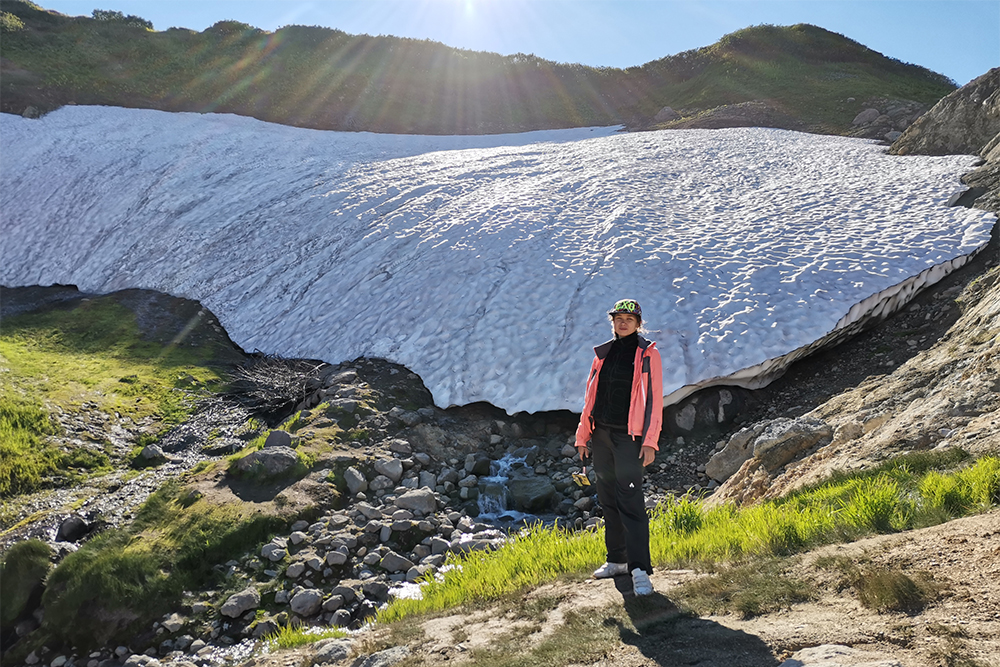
{"type": "Point", "coordinates": [323, 78]}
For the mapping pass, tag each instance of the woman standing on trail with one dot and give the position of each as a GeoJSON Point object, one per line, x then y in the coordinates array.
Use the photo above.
{"type": "Point", "coordinates": [622, 415]}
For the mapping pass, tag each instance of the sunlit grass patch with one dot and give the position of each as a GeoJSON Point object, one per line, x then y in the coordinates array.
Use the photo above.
{"type": "Point", "coordinates": [92, 355]}
{"type": "Point", "coordinates": [686, 533]}
{"type": "Point", "coordinates": [293, 636]}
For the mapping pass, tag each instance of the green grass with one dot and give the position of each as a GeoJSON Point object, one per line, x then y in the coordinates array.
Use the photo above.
{"type": "Point", "coordinates": [24, 568]}
{"type": "Point", "coordinates": [900, 495]}
{"type": "Point", "coordinates": [292, 637]}
{"type": "Point", "coordinates": [90, 354]}
{"type": "Point", "coordinates": [121, 580]}
{"type": "Point", "coordinates": [749, 589]}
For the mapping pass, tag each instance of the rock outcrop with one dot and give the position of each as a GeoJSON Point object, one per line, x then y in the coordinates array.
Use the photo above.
{"type": "Point", "coordinates": [961, 123]}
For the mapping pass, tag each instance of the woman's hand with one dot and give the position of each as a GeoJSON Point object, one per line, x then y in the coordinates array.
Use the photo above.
{"type": "Point", "coordinates": [584, 451]}
{"type": "Point", "coordinates": [647, 454]}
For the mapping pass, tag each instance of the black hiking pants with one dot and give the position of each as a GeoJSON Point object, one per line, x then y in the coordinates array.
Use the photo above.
{"type": "Point", "coordinates": [619, 489]}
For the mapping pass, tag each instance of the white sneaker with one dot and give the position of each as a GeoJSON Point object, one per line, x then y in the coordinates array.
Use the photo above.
{"type": "Point", "coordinates": [641, 585]}
{"type": "Point", "coordinates": [609, 570]}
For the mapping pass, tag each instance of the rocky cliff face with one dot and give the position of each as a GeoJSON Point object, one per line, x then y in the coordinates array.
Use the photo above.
{"type": "Point", "coordinates": [963, 122]}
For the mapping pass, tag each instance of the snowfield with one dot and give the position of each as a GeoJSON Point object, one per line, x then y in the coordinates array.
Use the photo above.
{"type": "Point", "coordinates": [485, 264]}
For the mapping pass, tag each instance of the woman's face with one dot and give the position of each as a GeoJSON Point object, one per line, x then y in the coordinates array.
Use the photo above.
{"type": "Point", "coordinates": [624, 324]}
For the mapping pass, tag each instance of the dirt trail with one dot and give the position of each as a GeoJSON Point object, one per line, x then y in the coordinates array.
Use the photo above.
{"type": "Point", "coordinates": [960, 627]}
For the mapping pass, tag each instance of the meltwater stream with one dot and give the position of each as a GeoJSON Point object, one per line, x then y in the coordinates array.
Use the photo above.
{"type": "Point", "coordinates": [494, 496]}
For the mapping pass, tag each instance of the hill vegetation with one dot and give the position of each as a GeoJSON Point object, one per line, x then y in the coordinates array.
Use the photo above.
{"type": "Point", "coordinates": [323, 78]}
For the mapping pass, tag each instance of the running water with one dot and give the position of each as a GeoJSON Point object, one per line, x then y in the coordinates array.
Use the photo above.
{"type": "Point", "coordinates": [493, 495]}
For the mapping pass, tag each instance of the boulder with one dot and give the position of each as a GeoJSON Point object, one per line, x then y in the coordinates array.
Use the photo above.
{"type": "Point", "coordinates": [666, 114]}
{"type": "Point", "coordinates": [72, 529]}
{"type": "Point", "coordinates": [530, 492]}
{"type": "Point", "coordinates": [268, 462]}
{"type": "Point", "coordinates": [390, 468]}
{"type": "Point", "coordinates": [331, 651]}
{"type": "Point", "coordinates": [151, 455]}
{"type": "Point", "coordinates": [173, 622]}
{"type": "Point", "coordinates": [393, 562]}
{"type": "Point", "coordinates": [865, 117]}
{"type": "Point", "coordinates": [240, 603]}
{"type": "Point", "coordinates": [386, 658]}
{"type": "Point", "coordinates": [961, 123]}
{"type": "Point", "coordinates": [419, 500]}
{"type": "Point", "coordinates": [356, 482]}
{"type": "Point", "coordinates": [306, 602]}
{"type": "Point", "coordinates": [278, 439]}
{"type": "Point", "coordinates": [739, 448]}
{"type": "Point", "coordinates": [783, 439]}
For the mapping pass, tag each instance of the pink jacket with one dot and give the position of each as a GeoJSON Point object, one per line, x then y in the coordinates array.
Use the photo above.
{"type": "Point", "coordinates": [645, 415]}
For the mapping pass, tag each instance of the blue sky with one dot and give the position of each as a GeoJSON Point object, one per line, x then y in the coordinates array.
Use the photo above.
{"type": "Point", "coordinates": [958, 38]}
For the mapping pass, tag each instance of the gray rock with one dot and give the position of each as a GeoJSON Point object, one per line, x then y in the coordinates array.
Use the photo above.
{"type": "Point", "coordinates": [332, 651]}
{"type": "Point", "coordinates": [784, 439]}
{"type": "Point", "coordinates": [240, 603]}
{"type": "Point", "coordinates": [295, 570]}
{"type": "Point", "coordinates": [393, 562]}
{"type": "Point", "coordinates": [381, 483]}
{"type": "Point", "coordinates": [263, 628]}
{"type": "Point", "coordinates": [336, 557]}
{"type": "Point", "coordinates": [866, 116]}
{"type": "Point", "coordinates": [152, 455]}
{"type": "Point", "coordinates": [386, 658]}
{"type": "Point", "coordinates": [376, 590]}
{"type": "Point", "coordinates": [391, 468]}
{"type": "Point", "coordinates": [333, 603]}
{"type": "Point", "coordinates": [173, 622]}
{"type": "Point", "coordinates": [72, 529]}
{"type": "Point", "coordinates": [369, 512]}
{"type": "Point", "coordinates": [738, 450]}
{"type": "Point", "coordinates": [400, 446]}
{"type": "Point", "coordinates": [666, 114]}
{"type": "Point", "coordinates": [268, 462]}
{"type": "Point", "coordinates": [273, 551]}
{"type": "Point", "coordinates": [439, 545]}
{"type": "Point", "coordinates": [426, 479]}
{"type": "Point", "coordinates": [530, 492]}
{"type": "Point", "coordinates": [418, 500]}
{"type": "Point", "coordinates": [356, 482]}
{"type": "Point", "coordinates": [278, 438]}
{"type": "Point", "coordinates": [341, 618]}
{"type": "Point", "coordinates": [307, 602]}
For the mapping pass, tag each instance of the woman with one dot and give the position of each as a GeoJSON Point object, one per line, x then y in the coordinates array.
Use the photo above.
{"type": "Point", "coordinates": [622, 416]}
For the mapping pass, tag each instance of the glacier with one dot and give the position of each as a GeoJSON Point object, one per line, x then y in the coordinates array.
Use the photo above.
{"type": "Point", "coordinates": [486, 263]}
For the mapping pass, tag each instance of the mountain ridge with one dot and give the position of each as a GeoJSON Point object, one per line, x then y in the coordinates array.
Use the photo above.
{"type": "Point", "coordinates": [323, 78]}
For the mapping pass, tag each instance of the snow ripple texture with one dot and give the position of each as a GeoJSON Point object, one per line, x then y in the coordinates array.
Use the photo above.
{"type": "Point", "coordinates": [485, 264]}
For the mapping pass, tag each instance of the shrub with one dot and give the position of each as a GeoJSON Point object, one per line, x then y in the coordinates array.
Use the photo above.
{"type": "Point", "coordinates": [21, 575]}
{"type": "Point", "coordinates": [231, 28]}
{"type": "Point", "coordinates": [10, 23]}
{"type": "Point", "coordinates": [112, 16]}
{"type": "Point", "coordinates": [882, 589]}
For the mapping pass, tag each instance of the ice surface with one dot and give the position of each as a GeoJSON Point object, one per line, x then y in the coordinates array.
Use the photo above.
{"type": "Point", "coordinates": [485, 264]}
